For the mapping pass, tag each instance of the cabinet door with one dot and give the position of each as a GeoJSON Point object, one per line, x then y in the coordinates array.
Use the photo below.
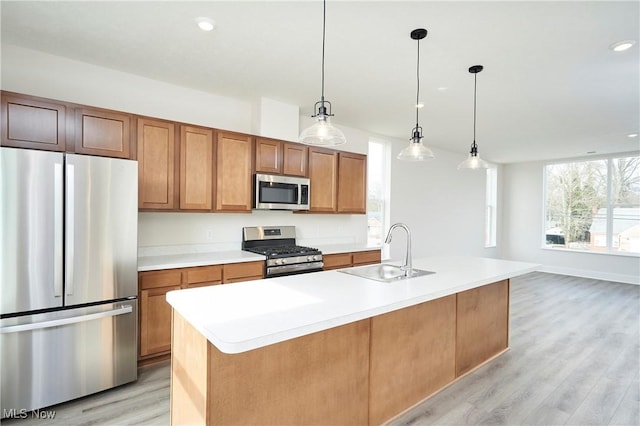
{"type": "Point", "coordinates": [268, 156]}
{"type": "Point", "coordinates": [233, 172]}
{"type": "Point", "coordinates": [366, 257]}
{"type": "Point", "coordinates": [336, 261]}
{"type": "Point", "coordinates": [295, 159]}
{"type": "Point", "coordinates": [244, 271]}
{"type": "Point", "coordinates": [352, 183]}
{"type": "Point", "coordinates": [156, 164]}
{"type": "Point", "coordinates": [155, 321]}
{"type": "Point", "coordinates": [196, 168]}
{"type": "Point", "coordinates": [202, 276]}
{"type": "Point", "coordinates": [482, 326]}
{"type": "Point", "coordinates": [33, 123]}
{"type": "Point", "coordinates": [103, 132]}
{"type": "Point", "coordinates": [323, 174]}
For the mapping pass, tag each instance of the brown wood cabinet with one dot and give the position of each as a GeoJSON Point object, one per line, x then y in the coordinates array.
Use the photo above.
{"type": "Point", "coordinates": [102, 132]}
{"type": "Point", "coordinates": [29, 122]}
{"type": "Point", "coordinates": [278, 157]}
{"type": "Point", "coordinates": [156, 164]}
{"type": "Point", "coordinates": [352, 183]}
{"type": "Point", "coordinates": [346, 260]}
{"type": "Point", "coordinates": [483, 325]}
{"type": "Point", "coordinates": [234, 162]}
{"type": "Point", "coordinates": [155, 312]}
{"type": "Point", "coordinates": [323, 174]}
{"type": "Point", "coordinates": [196, 168]}
{"type": "Point", "coordinates": [295, 159]}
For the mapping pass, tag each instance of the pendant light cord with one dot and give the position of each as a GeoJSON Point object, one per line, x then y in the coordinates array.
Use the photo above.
{"type": "Point", "coordinates": [475, 88]}
{"type": "Point", "coordinates": [324, 20]}
{"type": "Point", "coordinates": [418, 85]}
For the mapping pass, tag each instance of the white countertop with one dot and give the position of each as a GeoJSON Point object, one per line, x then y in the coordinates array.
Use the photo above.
{"type": "Point", "coordinates": [153, 263]}
{"type": "Point", "coordinates": [185, 260]}
{"type": "Point", "coordinates": [248, 315]}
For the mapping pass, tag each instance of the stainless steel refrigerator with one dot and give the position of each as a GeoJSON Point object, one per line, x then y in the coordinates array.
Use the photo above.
{"type": "Point", "coordinates": [68, 325]}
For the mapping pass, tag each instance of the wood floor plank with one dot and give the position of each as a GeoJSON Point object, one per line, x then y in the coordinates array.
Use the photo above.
{"type": "Point", "coordinates": [574, 359]}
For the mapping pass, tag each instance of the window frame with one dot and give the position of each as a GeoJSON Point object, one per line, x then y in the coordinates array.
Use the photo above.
{"type": "Point", "coordinates": [609, 249]}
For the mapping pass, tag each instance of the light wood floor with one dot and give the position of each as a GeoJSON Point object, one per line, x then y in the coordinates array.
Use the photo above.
{"type": "Point", "coordinates": [574, 359]}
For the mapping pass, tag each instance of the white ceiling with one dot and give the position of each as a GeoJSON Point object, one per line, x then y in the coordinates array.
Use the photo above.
{"type": "Point", "coordinates": [551, 88]}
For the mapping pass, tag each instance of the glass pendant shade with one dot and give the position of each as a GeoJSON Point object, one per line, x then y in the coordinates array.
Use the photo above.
{"type": "Point", "coordinates": [474, 162]}
{"type": "Point", "coordinates": [416, 151]}
{"type": "Point", "coordinates": [322, 133]}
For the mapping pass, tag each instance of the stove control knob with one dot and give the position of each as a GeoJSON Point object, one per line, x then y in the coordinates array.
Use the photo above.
{"type": "Point", "coordinates": [278, 261]}
{"type": "Point", "coordinates": [310, 258]}
{"type": "Point", "coordinates": [283, 261]}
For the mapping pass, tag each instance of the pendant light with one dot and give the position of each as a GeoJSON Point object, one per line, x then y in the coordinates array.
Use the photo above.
{"type": "Point", "coordinates": [474, 162]}
{"type": "Point", "coordinates": [416, 151]}
{"type": "Point", "coordinates": [322, 132]}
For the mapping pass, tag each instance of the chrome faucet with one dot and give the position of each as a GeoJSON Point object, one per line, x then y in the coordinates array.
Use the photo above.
{"type": "Point", "coordinates": [407, 268]}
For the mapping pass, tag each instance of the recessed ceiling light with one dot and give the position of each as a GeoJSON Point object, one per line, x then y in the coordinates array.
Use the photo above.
{"type": "Point", "coordinates": [206, 24]}
{"type": "Point", "coordinates": [632, 135]}
{"type": "Point", "coordinates": [623, 45]}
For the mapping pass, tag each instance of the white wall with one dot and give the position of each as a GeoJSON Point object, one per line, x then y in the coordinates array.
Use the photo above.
{"type": "Point", "coordinates": [443, 207]}
{"type": "Point", "coordinates": [522, 230]}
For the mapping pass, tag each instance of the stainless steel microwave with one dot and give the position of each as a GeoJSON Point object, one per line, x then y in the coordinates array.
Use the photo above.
{"type": "Point", "coordinates": [274, 192]}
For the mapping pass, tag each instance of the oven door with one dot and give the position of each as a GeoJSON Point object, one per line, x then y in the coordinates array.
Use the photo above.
{"type": "Point", "coordinates": [273, 192]}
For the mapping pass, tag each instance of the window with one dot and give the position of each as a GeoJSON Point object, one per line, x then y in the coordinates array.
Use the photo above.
{"type": "Point", "coordinates": [593, 205]}
{"type": "Point", "coordinates": [492, 207]}
{"type": "Point", "coordinates": [378, 192]}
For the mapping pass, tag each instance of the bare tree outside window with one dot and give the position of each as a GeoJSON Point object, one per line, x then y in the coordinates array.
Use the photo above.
{"type": "Point", "coordinates": [594, 205]}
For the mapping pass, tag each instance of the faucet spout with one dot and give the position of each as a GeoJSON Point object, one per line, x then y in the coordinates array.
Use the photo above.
{"type": "Point", "coordinates": [407, 267]}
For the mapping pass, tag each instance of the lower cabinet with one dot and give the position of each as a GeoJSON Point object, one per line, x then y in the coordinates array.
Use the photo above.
{"type": "Point", "coordinates": [155, 313]}
{"type": "Point", "coordinates": [347, 260]}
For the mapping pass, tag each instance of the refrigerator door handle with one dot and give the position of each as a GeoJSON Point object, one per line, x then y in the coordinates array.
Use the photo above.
{"type": "Point", "coordinates": [125, 309]}
{"type": "Point", "coordinates": [69, 227]}
{"type": "Point", "coordinates": [57, 230]}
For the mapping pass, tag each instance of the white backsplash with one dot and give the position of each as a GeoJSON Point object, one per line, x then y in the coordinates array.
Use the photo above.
{"type": "Point", "coordinates": [176, 233]}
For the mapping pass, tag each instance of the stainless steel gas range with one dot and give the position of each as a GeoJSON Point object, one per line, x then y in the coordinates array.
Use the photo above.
{"type": "Point", "coordinates": [284, 256]}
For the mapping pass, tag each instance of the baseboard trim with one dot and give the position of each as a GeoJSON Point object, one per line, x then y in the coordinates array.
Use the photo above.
{"type": "Point", "coordinates": [596, 275]}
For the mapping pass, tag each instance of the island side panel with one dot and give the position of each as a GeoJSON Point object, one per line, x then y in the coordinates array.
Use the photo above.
{"type": "Point", "coordinates": [483, 325]}
{"type": "Point", "coordinates": [188, 373]}
{"type": "Point", "coordinates": [412, 356]}
{"type": "Point", "coordinates": [321, 379]}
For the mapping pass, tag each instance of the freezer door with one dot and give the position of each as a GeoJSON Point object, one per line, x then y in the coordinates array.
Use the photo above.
{"type": "Point", "coordinates": [101, 233]}
{"type": "Point", "coordinates": [55, 357]}
{"type": "Point", "coordinates": [31, 193]}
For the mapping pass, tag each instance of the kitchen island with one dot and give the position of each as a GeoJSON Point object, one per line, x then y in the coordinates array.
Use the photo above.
{"type": "Point", "coordinates": [333, 348]}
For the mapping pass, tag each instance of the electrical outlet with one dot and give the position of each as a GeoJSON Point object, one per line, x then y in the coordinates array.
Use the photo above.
{"type": "Point", "coordinates": [209, 234]}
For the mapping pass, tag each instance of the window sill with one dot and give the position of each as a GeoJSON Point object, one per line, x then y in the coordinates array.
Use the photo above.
{"type": "Point", "coordinates": [612, 253]}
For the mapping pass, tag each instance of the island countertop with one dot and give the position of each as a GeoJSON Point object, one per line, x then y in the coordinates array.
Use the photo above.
{"type": "Point", "coordinates": [249, 315]}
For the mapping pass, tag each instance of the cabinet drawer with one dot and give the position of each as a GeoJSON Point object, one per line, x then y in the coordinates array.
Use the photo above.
{"type": "Point", "coordinates": [203, 274]}
{"type": "Point", "coordinates": [234, 272]}
{"type": "Point", "coordinates": [366, 257]}
{"type": "Point", "coordinates": [155, 279]}
{"type": "Point", "coordinates": [334, 261]}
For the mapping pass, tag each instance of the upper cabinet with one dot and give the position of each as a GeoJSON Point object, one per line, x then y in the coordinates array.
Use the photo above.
{"type": "Point", "coordinates": [103, 132]}
{"type": "Point", "coordinates": [196, 168]}
{"type": "Point", "coordinates": [234, 163]}
{"type": "Point", "coordinates": [338, 181]}
{"type": "Point", "coordinates": [156, 164]}
{"type": "Point", "coordinates": [29, 122]}
{"type": "Point", "coordinates": [352, 183]}
{"type": "Point", "coordinates": [278, 157]}
{"type": "Point", "coordinates": [323, 174]}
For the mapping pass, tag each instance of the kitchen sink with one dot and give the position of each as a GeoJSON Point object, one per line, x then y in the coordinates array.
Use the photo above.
{"type": "Point", "coordinates": [384, 272]}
